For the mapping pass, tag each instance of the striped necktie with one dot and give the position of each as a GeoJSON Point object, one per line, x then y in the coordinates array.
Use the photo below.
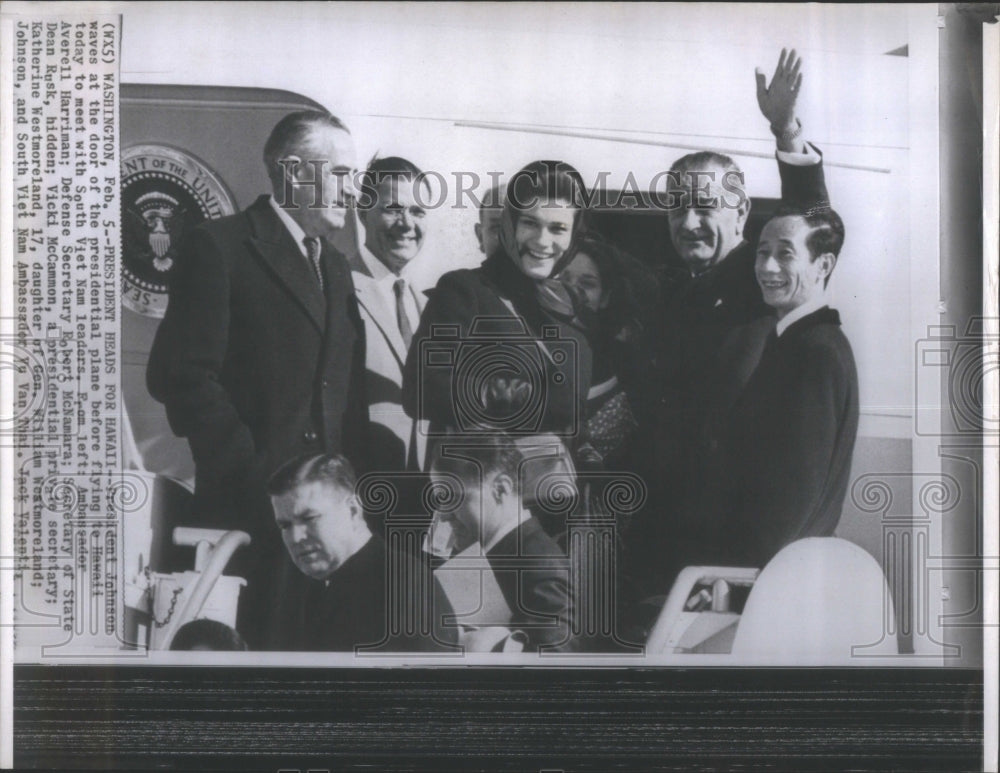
{"type": "Point", "coordinates": [313, 251]}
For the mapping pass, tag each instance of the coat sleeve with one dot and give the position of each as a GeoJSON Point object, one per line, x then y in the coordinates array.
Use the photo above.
{"type": "Point", "coordinates": [804, 186]}
{"type": "Point", "coordinates": [427, 380]}
{"type": "Point", "coordinates": [356, 432]}
{"type": "Point", "coordinates": [786, 483]}
{"type": "Point", "coordinates": [548, 593]}
{"type": "Point", "coordinates": [187, 358]}
{"type": "Point", "coordinates": [449, 367]}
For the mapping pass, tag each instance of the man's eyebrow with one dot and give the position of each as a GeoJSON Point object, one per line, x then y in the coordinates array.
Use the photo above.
{"type": "Point", "coordinates": [297, 515]}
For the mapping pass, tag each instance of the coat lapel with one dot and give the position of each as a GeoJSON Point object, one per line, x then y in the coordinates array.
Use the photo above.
{"type": "Point", "coordinates": [284, 260]}
{"type": "Point", "coordinates": [381, 313]}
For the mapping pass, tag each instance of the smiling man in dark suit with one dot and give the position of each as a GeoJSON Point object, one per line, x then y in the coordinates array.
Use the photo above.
{"type": "Point", "coordinates": [792, 430]}
{"type": "Point", "coordinates": [260, 357]}
{"type": "Point", "coordinates": [775, 454]}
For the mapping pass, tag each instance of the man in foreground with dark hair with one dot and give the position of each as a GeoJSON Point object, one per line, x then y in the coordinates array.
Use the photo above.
{"type": "Point", "coordinates": [531, 570]}
{"type": "Point", "coordinates": [362, 595]}
{"type": "Point", "coordinates": [775, 458]}
{"type": "Point", "coordinates": [260, 357]}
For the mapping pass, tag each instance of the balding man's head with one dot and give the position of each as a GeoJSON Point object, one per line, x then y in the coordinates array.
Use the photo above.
{"type": "Point", "coordinates": [708, 208]}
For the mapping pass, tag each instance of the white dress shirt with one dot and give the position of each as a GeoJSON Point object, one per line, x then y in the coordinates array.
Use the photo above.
{"type": "Point", "coordinates": [807, 157]}
{"type": "Point", "coordinates": [807, 308]}
{"type": "Point", "coordinates": [384, 281]}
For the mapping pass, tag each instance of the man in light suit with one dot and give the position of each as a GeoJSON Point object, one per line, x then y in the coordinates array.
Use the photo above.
{"type": "Point", "coordinates": [390, 278]}
{"type": "Point", "coordinates": [260, 357]}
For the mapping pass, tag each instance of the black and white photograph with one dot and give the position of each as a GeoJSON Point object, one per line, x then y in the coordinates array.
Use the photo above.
{"type": "Point", "coordinates": [482, 386]}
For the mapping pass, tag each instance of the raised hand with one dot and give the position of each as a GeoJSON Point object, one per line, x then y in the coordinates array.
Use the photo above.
{"type": "Point", "coordinates": [777, 101]}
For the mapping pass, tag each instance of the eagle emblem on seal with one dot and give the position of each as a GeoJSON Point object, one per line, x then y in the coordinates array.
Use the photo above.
{"type": "Point", "coordinates": [152, 226]}
{"type": "Point", "coordinates": [165, 193]}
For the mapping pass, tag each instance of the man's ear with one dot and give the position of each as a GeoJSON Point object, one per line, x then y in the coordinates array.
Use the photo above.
{"type": "Point", "coordinates": [275, 506]}
{"type": "Point", "coordinates": [293, 166]}
{"type": "Point", "coordinates": [354, 505]}
{"type": "Point", "coordinates": [825, 265]}
{"type": "Point", "coordinates": [502, 487]}
{"type": "Point", "coordinates": [479, 235]}
{"type": "Point", "coordinates": [743, 213]}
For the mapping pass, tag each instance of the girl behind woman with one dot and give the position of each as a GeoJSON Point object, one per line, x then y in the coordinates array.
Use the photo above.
{"type": "Point", "coordinates": [599, 280]}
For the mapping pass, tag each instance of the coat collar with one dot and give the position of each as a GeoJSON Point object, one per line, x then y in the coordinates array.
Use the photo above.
{"type": "Point", "coordinates": [381, 312]}
{"type": "Point", "coordinates": [800, 312]}
{"type": "Point", "coordinates": [734, 264]}
{"type": "Point", "coordinates": [822, 316]}
{"type": "Point", "coordinates": [510, 542]}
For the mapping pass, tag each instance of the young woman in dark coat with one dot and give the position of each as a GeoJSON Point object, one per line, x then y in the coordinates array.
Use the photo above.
{"type": "Point", "coordinates": [502, 346]}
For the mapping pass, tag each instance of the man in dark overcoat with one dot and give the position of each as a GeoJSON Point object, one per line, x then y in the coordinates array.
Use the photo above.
{"type": "Point", "coordinates": [260, 356]}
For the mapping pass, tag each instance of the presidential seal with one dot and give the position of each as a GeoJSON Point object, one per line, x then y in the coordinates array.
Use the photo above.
{"type": "Point", "coordinates": [165, 192]}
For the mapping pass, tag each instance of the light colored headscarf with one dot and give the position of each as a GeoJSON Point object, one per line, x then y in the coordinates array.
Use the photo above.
{"type": "Point", "coordinates": [551, 294]}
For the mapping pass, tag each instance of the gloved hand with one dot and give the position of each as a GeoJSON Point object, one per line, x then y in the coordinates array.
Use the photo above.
{"type": "Point", "coordinates": [504, 396]}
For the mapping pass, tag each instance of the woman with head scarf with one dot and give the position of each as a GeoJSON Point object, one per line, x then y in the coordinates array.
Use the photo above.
{"type": "Point", "coordinates": [502, 347]}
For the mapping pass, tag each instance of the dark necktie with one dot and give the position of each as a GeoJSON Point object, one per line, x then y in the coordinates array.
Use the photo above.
{"type": "Point", "coordinates": [399, 287]}
{"type": "Point", "coordinates": [771, 340]}
{"type": "Point", "coordinates": [313, 251]}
